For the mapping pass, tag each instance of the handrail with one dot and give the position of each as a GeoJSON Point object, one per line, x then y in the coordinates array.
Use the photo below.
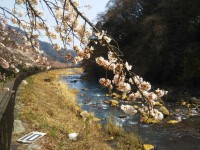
{"type": "Point", "coordinates": [7, 111]}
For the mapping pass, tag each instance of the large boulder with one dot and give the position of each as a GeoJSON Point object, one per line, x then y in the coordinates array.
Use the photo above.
{"type": "Point", "coordinates": [164, 110]}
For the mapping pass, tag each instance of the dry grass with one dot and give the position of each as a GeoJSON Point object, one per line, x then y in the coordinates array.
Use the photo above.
{"type": "Point", "coordinates": [51, 107]}
{"type": "Point", "coordinates": [122, 139]}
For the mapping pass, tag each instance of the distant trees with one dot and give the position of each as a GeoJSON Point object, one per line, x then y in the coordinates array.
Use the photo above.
{"type": "Point", "coordinates": [159, 38]}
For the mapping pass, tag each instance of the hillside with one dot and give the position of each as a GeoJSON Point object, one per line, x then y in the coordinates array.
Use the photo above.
{"type": "Point", "coordinates": [47, 48]}
{"type": "Point", "coordinates": [49, 51]}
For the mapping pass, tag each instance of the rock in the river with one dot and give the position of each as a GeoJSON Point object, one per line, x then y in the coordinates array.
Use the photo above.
{"type": "Point", "coordinates": [194, 100]}
{"type": "Point", "coordinates": [18, 127]}
{"type": "Point", "coordinates": [108, 95]}
{"type": "Point", "coordinates": [183, 103]}
{"type": "Point", "coordinates": [148, 120]}
{"type": "Point", "coordinates": [116, 96]}
{"type": "Point", "coordinates": [136, 106]}
{"type": "Point", "coordinates": [106, 101]}
{"type": "Point", "coordinates": [164, 110]}
{"type": "Point", "coordinates": [114, 103]}
{"type": "Point", "coordinates": [148, 147]}
{"type": "Point", "coordinates": [158, 104]}
{"type": "Point", "coordinates": [173, 121]}
{"type": "Point", "coordinates": [193, 112]}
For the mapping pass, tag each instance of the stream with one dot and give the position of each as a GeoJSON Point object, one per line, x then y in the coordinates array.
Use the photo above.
{"type": "Point", "coordinates": [181, 136]}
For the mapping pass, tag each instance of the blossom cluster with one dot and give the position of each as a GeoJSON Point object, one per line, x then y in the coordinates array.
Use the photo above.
{"type": "Point", "coordinates": [68, 26]}
{"type": "Point", "coordinates": [16, 50]}
{"type": "Point", "coordinates": [128, 86]}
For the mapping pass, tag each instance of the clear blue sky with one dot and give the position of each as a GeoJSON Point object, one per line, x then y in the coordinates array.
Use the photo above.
{"type": "Point", "coordinates": [98, 6]}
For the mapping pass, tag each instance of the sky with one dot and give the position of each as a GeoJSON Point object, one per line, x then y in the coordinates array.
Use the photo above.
{"type": "Point", "coordinates": [97, 6]}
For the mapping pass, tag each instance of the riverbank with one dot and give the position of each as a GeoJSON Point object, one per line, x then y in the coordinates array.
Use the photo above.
{"type": "Point", "coordinates": [180, 126]}
{"type": "Point", "coordinates": [48, 105]}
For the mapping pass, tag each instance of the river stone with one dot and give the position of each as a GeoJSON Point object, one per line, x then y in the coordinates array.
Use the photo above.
{"type": "Point", "coordinates": [106, 101]}
{"type": "Point", "coordinates": [136, 106]}
{"type": "Point", "coordinates": [115, 95]}
{"type": "Point", "coordinates": [158, 104]}
{"type": "Point", "coordinates": [34, 147]}
{"type": "Point", "coordinates": [173, 121]}
{"type": "Point", "coordinates": [147, 120]}
{"type": "Point", "coordinates": [183, 103]}
{"type": "Point", "coordinates": [148, 147]}
{"type": "Point", "coordinates": [114, 103]}
{"type": "Point", "coordinates": [18, 127]}
{"type": "Point", "coordinates": [164, 110]}
{"type": "Point", "coordinates": [194, 100]}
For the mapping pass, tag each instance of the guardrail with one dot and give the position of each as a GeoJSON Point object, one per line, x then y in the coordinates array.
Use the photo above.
{"type": "Point", "coordinates": [7, 105]}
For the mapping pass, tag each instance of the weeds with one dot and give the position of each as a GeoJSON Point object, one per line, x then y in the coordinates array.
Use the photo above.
{"type": "Point", "coordinates": [123, 140]}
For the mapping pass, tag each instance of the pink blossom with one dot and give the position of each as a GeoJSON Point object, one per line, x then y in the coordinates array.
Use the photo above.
{"type": "Point", "coordinates": [134, 96]}
{"type": "Point", "coordinates": [4, 63]}
{"type": "Point", "coordinates": [117, 80]}
{"type": "Point", "coordinates": [128, 67]}
{"type": "Point", "coordinates": [160, 93]}
{"type": "Point", "coordinates": [128, 109]}
{"type": "Point", "coordinates": [118, 68]}
{"type": "Point", "coordinates": [124, 87]}
{"type": "Point", "coordinates": [104, 82]}
{"type": "Point", "coordinates": [102, 62]}
{"type": "Point", "coordinates": [146, 86]}
{"type": "Point", "coordinates": [111, 57]}
{"type": "Point", "coordinates": [138, 80]}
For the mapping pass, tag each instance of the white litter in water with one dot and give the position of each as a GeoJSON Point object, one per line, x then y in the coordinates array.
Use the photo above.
{"type": "Point", "coordinates": [133, 122]}
{"type": "Point", "coordinates": [122, 120]}
{"type": "Point", "coordinates": [144, 126]}
{"type": "Point", "coordinates": [104, 106]}
{"type": "Point", "coordinates": [90, 103]}
{"type": "Point", "coordinates": [98, 95]}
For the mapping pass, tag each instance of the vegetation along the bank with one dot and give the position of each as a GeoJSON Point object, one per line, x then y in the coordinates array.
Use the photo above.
{"type": "Point", "coordinates": [48, 104]}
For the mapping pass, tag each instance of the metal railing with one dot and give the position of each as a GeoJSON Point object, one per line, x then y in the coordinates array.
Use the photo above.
{"type": "Point", "coordinates": [7, 105]}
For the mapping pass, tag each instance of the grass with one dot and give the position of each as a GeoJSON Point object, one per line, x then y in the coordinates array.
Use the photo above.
{"type": "Point", "coordinates": [122, 139]}
{"type": "Point", "coordinates": [51, 107]}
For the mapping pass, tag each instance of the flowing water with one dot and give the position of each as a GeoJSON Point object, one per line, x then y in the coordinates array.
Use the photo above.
{"type": "Point", "coordinates": [182, 136]}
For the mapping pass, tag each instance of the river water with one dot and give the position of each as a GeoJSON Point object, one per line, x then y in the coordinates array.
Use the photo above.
{"type": "Point", "coordinates": [182, 136]}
